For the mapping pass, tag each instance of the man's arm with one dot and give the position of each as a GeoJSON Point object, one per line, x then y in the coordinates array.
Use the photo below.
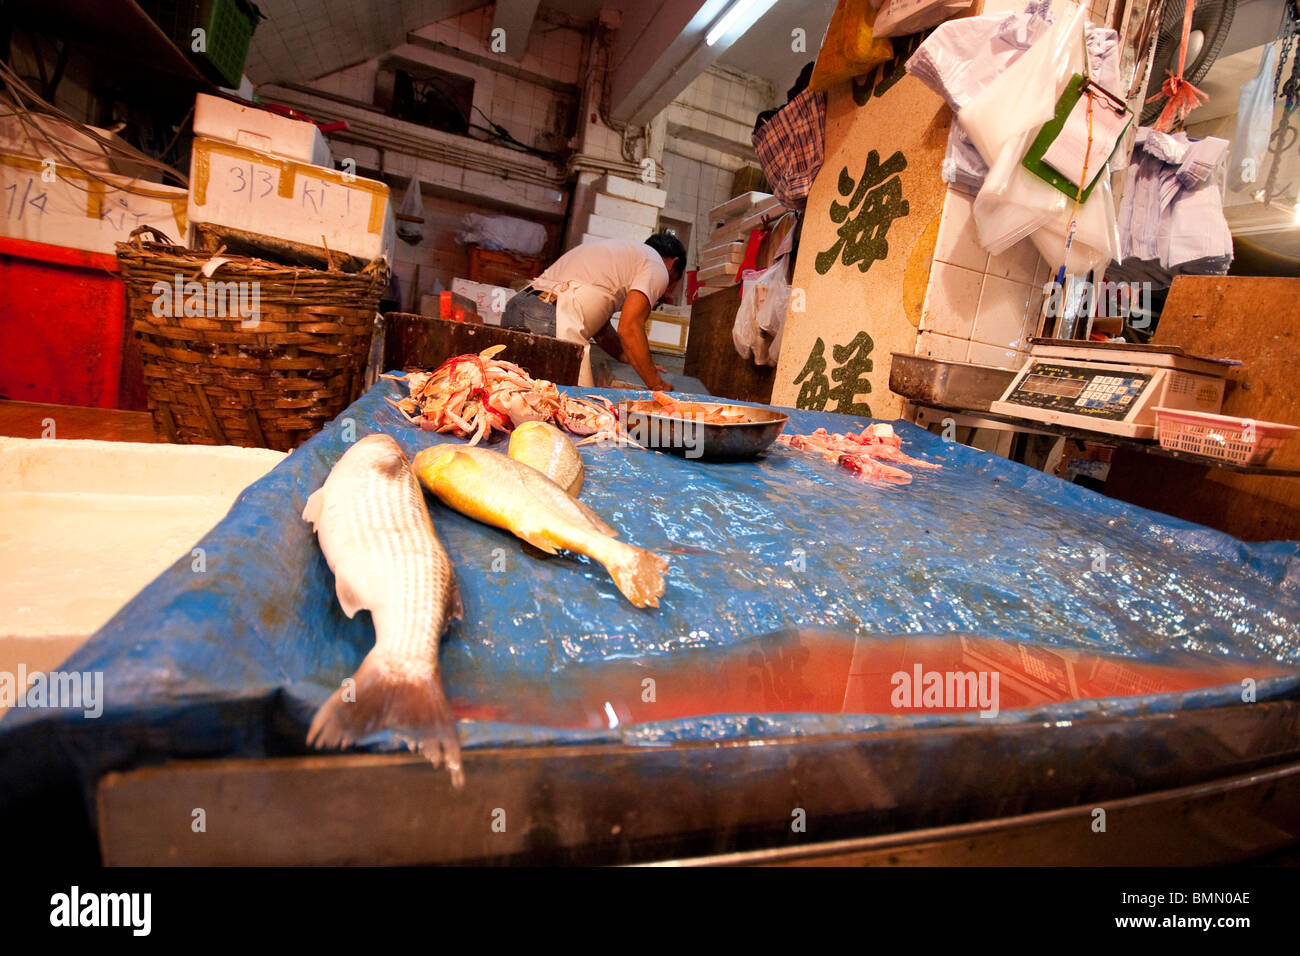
{"type": "Point", "coordinates": [632, 335]}
{"type": "Point", "coordinates": [608, 340]}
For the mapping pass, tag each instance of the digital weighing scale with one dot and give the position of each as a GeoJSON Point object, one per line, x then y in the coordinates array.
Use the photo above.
{"type": "Point", "coordinates": [1111, 387]}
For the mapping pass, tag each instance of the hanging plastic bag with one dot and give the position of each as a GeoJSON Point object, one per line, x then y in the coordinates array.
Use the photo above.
{"type": "Point", "coordinates": [850, 47]}
{"type": "Point", "coordinates": [502, 233]}
{"type": "Point", "coordinates": [961, 57]}
{"type": "Point", "coordinates": [772, 309]}
{"type": "Point", "coordinates": [413, 206]}
{"type": "Point", "coordinates": [1002, 121]}
{"type": "Point", "coordinates": [764, 299]}
{"type": "Point", "coordinates": [899, 18]}
{"type": "Point", "coordinates": [1254, 123]}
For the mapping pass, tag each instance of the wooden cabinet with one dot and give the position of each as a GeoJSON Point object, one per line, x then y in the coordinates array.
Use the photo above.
{"type": "Point", "coordinates": [711, 355]}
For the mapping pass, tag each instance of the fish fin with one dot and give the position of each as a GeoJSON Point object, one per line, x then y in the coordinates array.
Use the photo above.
{"type": "Point", "coordinates": [539, 540]}
{"type": "Point", "coordinates": [639, 575]}
{"type": "Point", "coordinates": [454, 606]}
{"type": "Point", "coordinates": [390, 696]}
{"type": "Point", "coordinates": [315, 502]}
{"type": "Point", "coordinates": [349, 600]}
{"type": "Point", "coordinates": [594, 520]}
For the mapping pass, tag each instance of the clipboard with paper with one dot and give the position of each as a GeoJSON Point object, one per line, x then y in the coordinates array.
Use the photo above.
{"type": "Point", "coordinates": [1076, 143]}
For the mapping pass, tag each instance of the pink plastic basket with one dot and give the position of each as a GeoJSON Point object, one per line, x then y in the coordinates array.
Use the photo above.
{"type": "Point", "coordinates": [1242, 441]}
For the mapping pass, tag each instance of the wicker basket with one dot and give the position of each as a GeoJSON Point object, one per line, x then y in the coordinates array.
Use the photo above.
{"type": "Point", "coordinates": [215, 378]}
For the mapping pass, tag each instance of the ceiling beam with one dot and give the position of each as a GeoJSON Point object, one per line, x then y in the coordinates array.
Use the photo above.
{"type": "Point", "coordinates": [656, 56]}
{"type": "Point", "coordinates": [515, 17]}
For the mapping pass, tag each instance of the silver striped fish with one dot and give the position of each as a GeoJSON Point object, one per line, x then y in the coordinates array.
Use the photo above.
{"type": "Point", "coordinates": [376, 534]}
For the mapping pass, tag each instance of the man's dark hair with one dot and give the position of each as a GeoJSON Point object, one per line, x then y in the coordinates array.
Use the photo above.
{"type": "Point", "coordinates": [670, 247]}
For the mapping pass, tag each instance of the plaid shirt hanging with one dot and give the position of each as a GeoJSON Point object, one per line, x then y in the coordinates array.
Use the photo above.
{"type": "Point", "coordinates": [791, 147]}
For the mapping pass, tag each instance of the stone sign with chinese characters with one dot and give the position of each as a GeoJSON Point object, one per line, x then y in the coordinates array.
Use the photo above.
{"type": "Point", "coordinates": [868, 235]}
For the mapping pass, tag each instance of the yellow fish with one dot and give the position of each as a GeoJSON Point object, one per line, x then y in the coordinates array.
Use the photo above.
{"type": "Point", "coordinates": [551, 452]}
{"type": "Point", "coordinates": [494, 489]}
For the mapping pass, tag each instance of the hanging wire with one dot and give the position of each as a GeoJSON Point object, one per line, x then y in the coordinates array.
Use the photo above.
{"type": "Point", "coordinates": [23, 103]}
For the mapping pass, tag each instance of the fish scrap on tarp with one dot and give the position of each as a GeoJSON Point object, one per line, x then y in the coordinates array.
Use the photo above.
{"type": "Point", "coordinates": [233, 660]}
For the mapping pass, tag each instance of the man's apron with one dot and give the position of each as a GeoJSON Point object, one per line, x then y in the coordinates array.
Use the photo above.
{"type": "Point", "coordinates": [581, 310]}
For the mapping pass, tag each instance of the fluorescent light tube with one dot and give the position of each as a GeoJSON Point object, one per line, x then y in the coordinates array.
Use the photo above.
{"type": "Point", "coordinates": [728, 21]}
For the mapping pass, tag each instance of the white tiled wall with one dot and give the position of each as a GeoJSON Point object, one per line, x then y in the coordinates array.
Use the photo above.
{"type": "Point", "coordinates": [527, 110]}
{"type": "Point", "coordinates": [722, 103]}
{"type": "Point", "coordinates": [979, 308]}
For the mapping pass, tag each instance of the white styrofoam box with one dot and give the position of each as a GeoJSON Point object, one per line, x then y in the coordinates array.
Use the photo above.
{"type": "Point", "coordinates": [622, 188]}
{"type": "Point", "coordinates": [313, 205]}
{"type": "Point", "coordinates": [739, 206]}
{"type": "Point", "coordinates": [588, 237]}
{"type": "Point", "coordinates": [489, 300]}
{"type": "Point", "coordinates": [625, 210]}
{"type": "Point", "coordinates": [616, 229]}
{"type": "Point", "coordinates": [724, 271]}
{"type": "Point", "coordinates": [126, 510]}
{"type": "Point", "coordinates": [255, 128]}
{"type": "Point", "coordinates": [80, 212]}
{"type": "Point", "coordinates": [17, 139]}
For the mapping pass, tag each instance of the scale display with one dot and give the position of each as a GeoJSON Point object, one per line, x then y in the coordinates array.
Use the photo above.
{"type": "Point", "coordinates": [1079, 391]}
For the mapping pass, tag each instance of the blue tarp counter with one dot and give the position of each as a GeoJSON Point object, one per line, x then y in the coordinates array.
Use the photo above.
{"type": "Point", "coordinates": [233, 660]}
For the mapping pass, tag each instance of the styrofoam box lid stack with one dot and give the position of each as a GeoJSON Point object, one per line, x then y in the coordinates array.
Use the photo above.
{"type": "Point", "coordinates": [316, 206]}
{"type": "Point", "coordinates": [81, 212]}
{"type": "Point", "coordinates": [740, 205]}
{"type": "Point", "coordinates": [739, 216]}
{"type": "Point", "coordinates": [260, 129]}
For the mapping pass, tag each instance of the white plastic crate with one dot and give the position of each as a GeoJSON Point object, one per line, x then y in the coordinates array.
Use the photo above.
{"type": "Point", "coordinates": [1242, 441]}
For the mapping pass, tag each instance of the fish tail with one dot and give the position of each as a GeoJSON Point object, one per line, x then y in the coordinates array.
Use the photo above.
{"type": "Point", "coordinates": [638, 573]}
{"type": "Point", "coordinates": [390, 694]}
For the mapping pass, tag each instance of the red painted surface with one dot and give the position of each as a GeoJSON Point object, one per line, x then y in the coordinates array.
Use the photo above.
{"type": "Point", "coordinates": [62, 325]}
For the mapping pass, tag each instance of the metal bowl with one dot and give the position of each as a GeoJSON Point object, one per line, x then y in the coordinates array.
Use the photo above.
{"type": "Point", "coordinates": [702, 440]}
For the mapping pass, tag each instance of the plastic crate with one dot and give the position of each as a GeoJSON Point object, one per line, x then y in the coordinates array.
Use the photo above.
{"type": "Point", "coordinates": [1242, 441]}
{"type": "Point", "coordinates": [228, 25]}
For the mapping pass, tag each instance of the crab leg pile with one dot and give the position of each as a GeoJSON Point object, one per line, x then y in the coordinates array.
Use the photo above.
{"type": "Point", "coordinates": [863, 454]}
{"type": "Point", "coordinates": [473, 395]}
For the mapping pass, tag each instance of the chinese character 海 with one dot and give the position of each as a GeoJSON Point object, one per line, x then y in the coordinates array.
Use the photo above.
{"type": "Point", "coordinates": [878, 200]}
